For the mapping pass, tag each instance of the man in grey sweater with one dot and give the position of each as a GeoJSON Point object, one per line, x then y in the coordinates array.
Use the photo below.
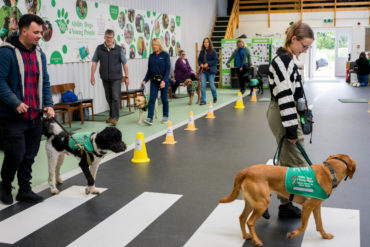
{"type": "Point", "coordinates": [111, 56]}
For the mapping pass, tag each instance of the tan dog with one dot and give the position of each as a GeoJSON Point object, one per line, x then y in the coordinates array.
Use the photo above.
{"type": "Point", "coordinates": [258, 181]}
{"type": "Point", "coordinates": [191, 88]}
{"type": "Point", "coordinates": [141, 102]}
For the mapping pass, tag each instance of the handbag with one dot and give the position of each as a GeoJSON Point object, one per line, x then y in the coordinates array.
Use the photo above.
{"type": "Point", "coordinates": [306, 118]}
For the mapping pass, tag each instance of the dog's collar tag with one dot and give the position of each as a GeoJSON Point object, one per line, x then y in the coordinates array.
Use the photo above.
{"type": "Point", "coordinates": [333, 176]}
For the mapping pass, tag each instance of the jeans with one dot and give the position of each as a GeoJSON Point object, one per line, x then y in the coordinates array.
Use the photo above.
{"type": "Point", "coordinates": [154, 87]}
{"type": "Point", "coordinates": [113, 96]}
{"type": "Point", "coordinates": [203, 79]}
{"type": "Point", "coordinates": [175, 85]}
{"type": "Point", "coordinates": [21, 144]}
{"type": "Point", "coordinates": [363, 79]}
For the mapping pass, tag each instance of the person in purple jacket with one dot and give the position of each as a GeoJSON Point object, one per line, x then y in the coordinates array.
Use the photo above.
{"type": "Point", "coordinates": [183, 71]}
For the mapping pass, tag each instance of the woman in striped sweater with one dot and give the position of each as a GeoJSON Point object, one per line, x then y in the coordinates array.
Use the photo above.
{"type": "Point", "coordinates": [282, 115]}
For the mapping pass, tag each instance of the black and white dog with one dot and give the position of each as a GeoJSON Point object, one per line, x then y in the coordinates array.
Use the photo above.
{"type": "Point", "coordinates": [58, 145]}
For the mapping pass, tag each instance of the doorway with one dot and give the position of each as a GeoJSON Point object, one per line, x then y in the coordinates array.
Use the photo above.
{"type": "Point", "coordinates": [329, 53]}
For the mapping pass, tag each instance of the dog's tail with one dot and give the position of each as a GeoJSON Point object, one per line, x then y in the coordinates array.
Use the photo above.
{"type": "Point", "coordinates": [237, 185]}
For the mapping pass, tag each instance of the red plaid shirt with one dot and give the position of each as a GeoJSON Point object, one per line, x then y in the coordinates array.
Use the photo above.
{"type": "Point", "coordinates": [31, 78]}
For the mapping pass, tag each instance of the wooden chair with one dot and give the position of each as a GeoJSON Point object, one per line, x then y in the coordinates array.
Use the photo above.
{"type": "Point", "coordinates": [69, 107]}
{"type": "Point", "coordinates": [130, 94]}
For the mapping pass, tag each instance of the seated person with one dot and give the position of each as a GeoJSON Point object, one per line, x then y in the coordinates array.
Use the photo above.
{"type": "Point", "coordinates": [363, 70]}
{"type": "Point", "coordinates": [183, 69]}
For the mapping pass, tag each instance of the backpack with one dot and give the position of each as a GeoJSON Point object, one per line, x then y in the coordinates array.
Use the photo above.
{"type": "Point", "coordinates": [69, 96]}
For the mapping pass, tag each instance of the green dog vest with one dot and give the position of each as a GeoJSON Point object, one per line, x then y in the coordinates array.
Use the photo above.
{"type": "Point", "coordinates": [302, 181]}
{"type": "Point", "coordinates": [81, 139]}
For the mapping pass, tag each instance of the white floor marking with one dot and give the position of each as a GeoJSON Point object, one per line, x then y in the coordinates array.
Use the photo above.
{"type": "Point", "coordinates": [270, 162]}
{"type": "Point", "coordinates": [29, 220]}
{"type": "Point", "coordinates": [221, 228]}
{"type": "Point", "coordinates": [344, 224]}
{"type": "Point", "coordinates": [124, 225]}
{"type": "Point", "coordinates": [4, 206]}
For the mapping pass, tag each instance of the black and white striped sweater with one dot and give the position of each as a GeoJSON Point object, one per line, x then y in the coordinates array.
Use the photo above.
{"type": "Point", "coordinates": [285, 86]}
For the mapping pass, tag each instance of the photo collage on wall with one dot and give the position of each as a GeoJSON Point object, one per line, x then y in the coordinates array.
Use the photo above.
{"type": "Point", "coordinates": [73, 31]}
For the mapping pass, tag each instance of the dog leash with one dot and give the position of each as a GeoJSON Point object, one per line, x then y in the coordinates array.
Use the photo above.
{"type": "Point", "coordinates": [299, 146]}
{"type": "Point", "coordinates": [80, 147]}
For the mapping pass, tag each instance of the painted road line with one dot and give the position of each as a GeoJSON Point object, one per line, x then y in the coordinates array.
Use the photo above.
{"type": "Point", "coordinates": [124, 225]}
{"type": "Point", "coordinates": [221, 228]}
{"type": "Point", "coordinates": [344, 224]}
{"type": "Point", "coordinates": [30, 220]}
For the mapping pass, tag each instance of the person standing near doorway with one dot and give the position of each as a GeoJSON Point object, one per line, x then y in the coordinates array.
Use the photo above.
{"type": "Point", "coordinates": [24, 88]}
{"type": "Point", "coordinates": [111, 56]}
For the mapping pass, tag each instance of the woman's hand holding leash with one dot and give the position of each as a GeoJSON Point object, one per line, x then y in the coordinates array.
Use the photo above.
{"type": "Point", "coordinates": [162, 85]}
{"type": "Point", "coordinates": [292, 141]}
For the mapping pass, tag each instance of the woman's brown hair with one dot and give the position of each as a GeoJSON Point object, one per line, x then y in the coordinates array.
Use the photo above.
{"type": "Point", "coordinates": [362, 55]}
{"type": "Point", "coordinates": [300, 30]}
{"type": "Point", "coordinates": [210, 47]}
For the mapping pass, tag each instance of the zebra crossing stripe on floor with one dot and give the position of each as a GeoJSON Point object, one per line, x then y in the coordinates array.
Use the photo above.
{"type": "Point", "coordinates": [124, 225]}
{"type": "Point", "coordinates": [30, 220]}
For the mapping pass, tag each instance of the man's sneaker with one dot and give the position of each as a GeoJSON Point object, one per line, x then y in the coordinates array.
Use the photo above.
{"type": "Point", "coordinates": [164, 120]}
{"type": "Point", "coordinates": [113, 121]}
{"type": "Point", "coordinates": [148, 121]}
{"type": "Point", "coordinates": [287, 211]}
{"type": "Point", "coordinates": [108, 120]}
{"type": "Point", "coordinates": [6, 194]}
{"type": "Point", "coordinates": [214, 100]}
{"type": "Point", "coordinates": [202, 103]}
{"type": "Point", "coordinates": [28, 196]}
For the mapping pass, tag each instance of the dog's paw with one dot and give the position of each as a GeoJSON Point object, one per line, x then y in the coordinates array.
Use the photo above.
{"type": "Point", "coordinates": [55, 191]}
{"type": "Point", "coordinates": [93, 191]}
{"type": "Point", "coordinates": [59, 180]}
{"type": "Point", "coordinates": [139, 122]}
{"type": "Point", "coordinates": [292, 234]}
{"type": "Point", "coordinates": [327, 235]}
{"type": "Point", "coordinates": [247, 236]}
{"type": "Point", "coordinates": [257, 242]}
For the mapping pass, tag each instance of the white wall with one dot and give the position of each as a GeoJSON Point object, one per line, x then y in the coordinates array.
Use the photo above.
{"type": "Point", "coordinates": [197, 19]}
{"type": "Point", "coordinates": [252, 24]}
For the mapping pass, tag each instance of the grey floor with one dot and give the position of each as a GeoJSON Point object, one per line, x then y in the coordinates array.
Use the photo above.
{"type": "Point", "coordinates": [202, 167]}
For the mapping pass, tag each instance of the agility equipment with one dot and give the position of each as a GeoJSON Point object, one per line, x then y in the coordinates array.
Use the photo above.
{"type": "Point", "coordinates": [254, 96]}
{"type": "Point", "coordinates": [170, 138]}
{"type": "Point", "coordinates": [210, 111]}
{"type": "Point", "coordinates": [140, 155]}
{"type": "Point", "coordinates": [239, 101]}
{"type": "Point", "coordinates": [191, 125]}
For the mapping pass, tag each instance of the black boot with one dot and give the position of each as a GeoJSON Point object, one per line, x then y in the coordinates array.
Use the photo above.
{"type": "Point", "coordinates": [6, 193]}
{"type": "Point", "coordinates": [266, 214]}
{"type": "Point", "coordinates": [288, 211]}
{"type": "Point", "coordinates": [28, 196]}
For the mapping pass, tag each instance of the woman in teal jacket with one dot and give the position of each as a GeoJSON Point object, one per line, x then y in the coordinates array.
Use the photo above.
{"type": "Point", "coordinates": [242, 63]}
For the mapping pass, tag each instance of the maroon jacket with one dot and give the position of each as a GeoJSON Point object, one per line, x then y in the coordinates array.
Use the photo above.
{"type": "Point", "coordinates": [182, 71]}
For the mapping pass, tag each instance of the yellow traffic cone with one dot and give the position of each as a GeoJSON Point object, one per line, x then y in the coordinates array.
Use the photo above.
{"type": "Point", "coordinates": [191, 125]}
{"type": "Point", "coordinates": [239, 101]}
{"type": "Point", "coordinates": [170, 139]}
{"type": "Point", "coordinates": [210, 111]}
{"type": "Point", "coordinates": [254, 96]}
{"type": "Point", "coordinates": [140, 155]}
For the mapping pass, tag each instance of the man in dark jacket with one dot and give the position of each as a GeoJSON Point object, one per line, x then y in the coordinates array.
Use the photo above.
{"type": "Point", "coordinates": [24, 87]}
{"type": "Point", "coordinates": [111, 56]}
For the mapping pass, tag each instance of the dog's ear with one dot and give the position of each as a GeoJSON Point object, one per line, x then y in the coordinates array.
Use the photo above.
{"type": "Point", "coordinates": [351, 166]}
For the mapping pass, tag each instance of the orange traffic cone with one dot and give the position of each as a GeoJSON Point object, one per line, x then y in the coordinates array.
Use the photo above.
{"type": "Point", "coordinates": [210, 111]}
{"type": "Point", "coordinates": [239, 101]}
{"type": "Point", "coordinates": [254, 96]}
{"type": "Point", "coordinates": [191, 125]}
{"type": "Point", "coordinates": [170, 139]}
{"type": "Point", "coordinates": [140, 155]}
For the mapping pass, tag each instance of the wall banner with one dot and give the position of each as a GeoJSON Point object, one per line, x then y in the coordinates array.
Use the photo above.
{"type": "Point", "coordinates": [74, 28]}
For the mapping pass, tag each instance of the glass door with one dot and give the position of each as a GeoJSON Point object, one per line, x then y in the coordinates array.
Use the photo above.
{"type": "Point", "coordinates": [342, 50]}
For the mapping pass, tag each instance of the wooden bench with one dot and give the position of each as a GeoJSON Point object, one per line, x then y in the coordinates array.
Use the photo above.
{"type": "Point", "coordinates": [69, 107]}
